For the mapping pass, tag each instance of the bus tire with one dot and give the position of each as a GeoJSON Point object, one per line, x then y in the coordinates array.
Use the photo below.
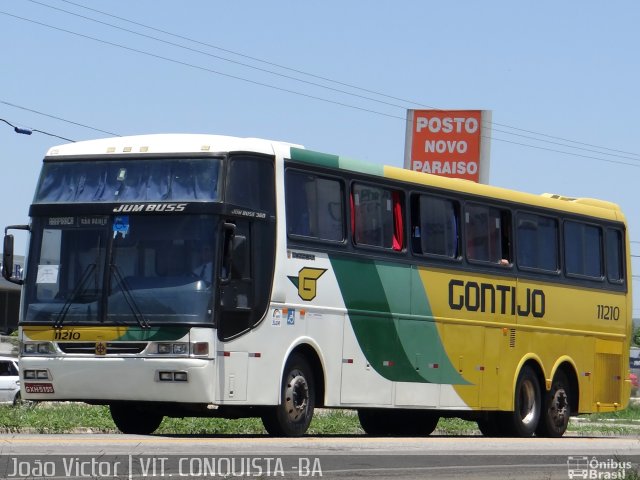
{"type": "Point", "coordinates": [556, 408]}
{"type": "Point", "coordinates": [492, 425]}
{"type": "Point", "coordinates": [292, 417]}
{"type": "Point", "coordinates": [418, 423]}
{"type": "Point", "coordinates": [523, 421]}
{"type": "Point", "coordinates": [387, 422]}
{"type": "Point", "coordinates": [373, 421]}
{"type": "Point", "coordinates": [131, 419]}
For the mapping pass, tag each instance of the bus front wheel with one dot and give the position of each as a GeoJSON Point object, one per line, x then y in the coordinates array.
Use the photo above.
{"type": "Point", "coordinates": [131, 419]}
{"type": "Point", "coordinates": [292, 417]}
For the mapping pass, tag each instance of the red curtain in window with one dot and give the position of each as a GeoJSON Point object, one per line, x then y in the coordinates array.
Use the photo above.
{"type": "Point", "coordinates": [398, 224]}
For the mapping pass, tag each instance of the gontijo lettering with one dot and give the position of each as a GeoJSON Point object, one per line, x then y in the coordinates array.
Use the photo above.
{"type": "Point", "coordinates": [490, 298]}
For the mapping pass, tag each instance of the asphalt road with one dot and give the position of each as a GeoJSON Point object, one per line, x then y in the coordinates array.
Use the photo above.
{"type": "Point", "coordinates": [340, 457]}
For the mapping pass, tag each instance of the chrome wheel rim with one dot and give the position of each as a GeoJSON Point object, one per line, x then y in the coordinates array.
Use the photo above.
{"type": "Point", "coordinates": [296, 398]}
{"type": "Point", "coordinates": [559, 408]}
{"type": "Point", "coordinates": [528, 405]}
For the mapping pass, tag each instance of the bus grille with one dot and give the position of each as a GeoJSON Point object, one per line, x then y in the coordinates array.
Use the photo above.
{"type": "Point", "coordinates": [113, 348]}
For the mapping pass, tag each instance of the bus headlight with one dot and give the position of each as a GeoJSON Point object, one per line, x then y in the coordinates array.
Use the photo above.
{"type": "Point", "coordinates": [181, 349]}
{"type": "Point", "coordinates": [37, 348]}
{"type": "Point", "coordinates": [178, 348]}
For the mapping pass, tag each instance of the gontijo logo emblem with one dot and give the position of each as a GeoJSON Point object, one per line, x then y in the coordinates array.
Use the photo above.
{"type": "Point", "coordinates": [306, 282]}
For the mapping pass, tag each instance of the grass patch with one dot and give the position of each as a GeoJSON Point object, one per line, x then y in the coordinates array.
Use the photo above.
{"type": "Point", "coordinates": [55, 418]}
{"type": "Point", "coordinates": [79, 417]}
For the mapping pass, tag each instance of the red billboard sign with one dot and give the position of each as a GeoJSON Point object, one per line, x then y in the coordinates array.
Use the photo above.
{"type": "Point", "coordinates": [448, 143]}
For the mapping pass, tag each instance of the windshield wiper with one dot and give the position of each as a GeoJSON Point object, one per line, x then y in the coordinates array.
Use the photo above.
{"type": "Point", "coordinates": [126, 292]}
{"type": "Point", "coordinates": [80, 288]}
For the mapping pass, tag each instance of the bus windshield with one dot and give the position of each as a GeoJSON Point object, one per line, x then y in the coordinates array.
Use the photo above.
{"type": "Point", "coordinates": [121, 269]}
{"type": "Point", "coordinates": [127, 180]}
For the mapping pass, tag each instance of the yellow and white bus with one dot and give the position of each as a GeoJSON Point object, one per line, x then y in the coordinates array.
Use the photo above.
{"type": "Point", "coordinates": [201, 275]}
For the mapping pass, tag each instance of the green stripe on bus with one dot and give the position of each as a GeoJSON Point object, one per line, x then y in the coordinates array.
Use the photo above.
{"type": "Point", "coordinates": [315, 158]}
{"type": "Point", "coordinates": [379, 298]}
{"type": "Point", "coordinates": [362, 167]}
{"type": "Point", "coordinates": [420, 334]}
{"type": "Point", "coordinates": [333, 161]}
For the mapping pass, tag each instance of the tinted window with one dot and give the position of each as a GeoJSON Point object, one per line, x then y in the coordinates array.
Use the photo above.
{"type": "Point", "coordinates": [377, 217]}
{"type": "Point", "coordinates": [251, 183]}
{"type": "Point", "coordinates": [129, 180]}
{"type": "Point", "coordinates": [314, 206]}
{"type": "Point", "coordinates": [583, 249]}
{"type": "Point", "coordinates": [435, 226]}
{"type": "Point", "coordinates": [537, 242]}
{"type": "Point", "coordinates": [615, 268]}
{"type": "Point", "coordinates": [7, 369]}
{"type": "Point", "coordinates": [487, 234]}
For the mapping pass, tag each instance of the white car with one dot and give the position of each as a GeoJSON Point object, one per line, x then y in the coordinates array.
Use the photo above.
{"type": "Point", "coordinates": [9, 380]}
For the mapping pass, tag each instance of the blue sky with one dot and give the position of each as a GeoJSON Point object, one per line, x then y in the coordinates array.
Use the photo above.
{"type": "Point", "coordinates": [564, 69]}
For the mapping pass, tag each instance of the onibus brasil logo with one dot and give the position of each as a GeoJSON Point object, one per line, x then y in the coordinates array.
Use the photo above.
{"type": "Point", "coordinates": [306, 282]}
{"type": "Point", "coordinates": [609, 469]}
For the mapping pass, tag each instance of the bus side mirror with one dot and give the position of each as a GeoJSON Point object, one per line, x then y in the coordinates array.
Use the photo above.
{"type": "Point", "coordinates": [7, 253]}
{"type": "Point", "coordinates": [7, 257]}
{"type": "Point", "coordinates": [7, 260]}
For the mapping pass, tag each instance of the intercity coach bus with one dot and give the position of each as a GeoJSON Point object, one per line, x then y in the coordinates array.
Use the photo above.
{"type": "Point", "coordinates": [201, 275]}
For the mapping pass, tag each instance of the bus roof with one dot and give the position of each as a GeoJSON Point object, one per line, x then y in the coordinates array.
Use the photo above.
{"type": "Point", "coordinates": [168, 143]}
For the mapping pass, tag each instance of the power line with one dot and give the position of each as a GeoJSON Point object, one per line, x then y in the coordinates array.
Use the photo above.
{"type": "Point", "coordinates": [29, 131]}
{"type": "Point", "coordinates": [567, 153]}
{"type": "Point", "coordinates": [286, 90]}
{"type": "Point", "coordinates": [173, 44]}
{"type": "Point", "coordinates": [412, 102]}
{"type": "Point", "coordinates": [57, 118]}
{"type": "Point", "coordinates": [197, 67]}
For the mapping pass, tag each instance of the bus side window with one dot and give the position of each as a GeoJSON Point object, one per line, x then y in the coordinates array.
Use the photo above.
{"type": "Point", "coordinates": [537, 242]}
{"type": "Point", "coordinates": [488, 234]}
{"type": "Point", "coordinates": [251, 183]}
{"type": "Point", "coordinates": [583, 249]}
{"type": "Point", "coordinates": [615, 267]}
{"type": "Point", "coordinates": [435, 226]}
{"type": "Point", "coordinates": [315, 206]}
{"type": "Point", "coordinates": [377, 217]}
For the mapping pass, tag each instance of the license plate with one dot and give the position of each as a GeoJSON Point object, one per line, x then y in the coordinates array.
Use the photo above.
{"type": "Point", "coordinates": [38, 388]}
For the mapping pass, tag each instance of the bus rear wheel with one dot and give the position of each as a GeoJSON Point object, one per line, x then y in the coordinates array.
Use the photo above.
{"type": "Point", "coordinates": [132, 419]}
{"type": "Point", "coordinates": [387, 422]}
{"type": "Point", "coordinates": [292, 417]}
{"type": "Point", "coordinates": [523, 421]}
{"type": "Point", "coordinates": [556, 408]}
